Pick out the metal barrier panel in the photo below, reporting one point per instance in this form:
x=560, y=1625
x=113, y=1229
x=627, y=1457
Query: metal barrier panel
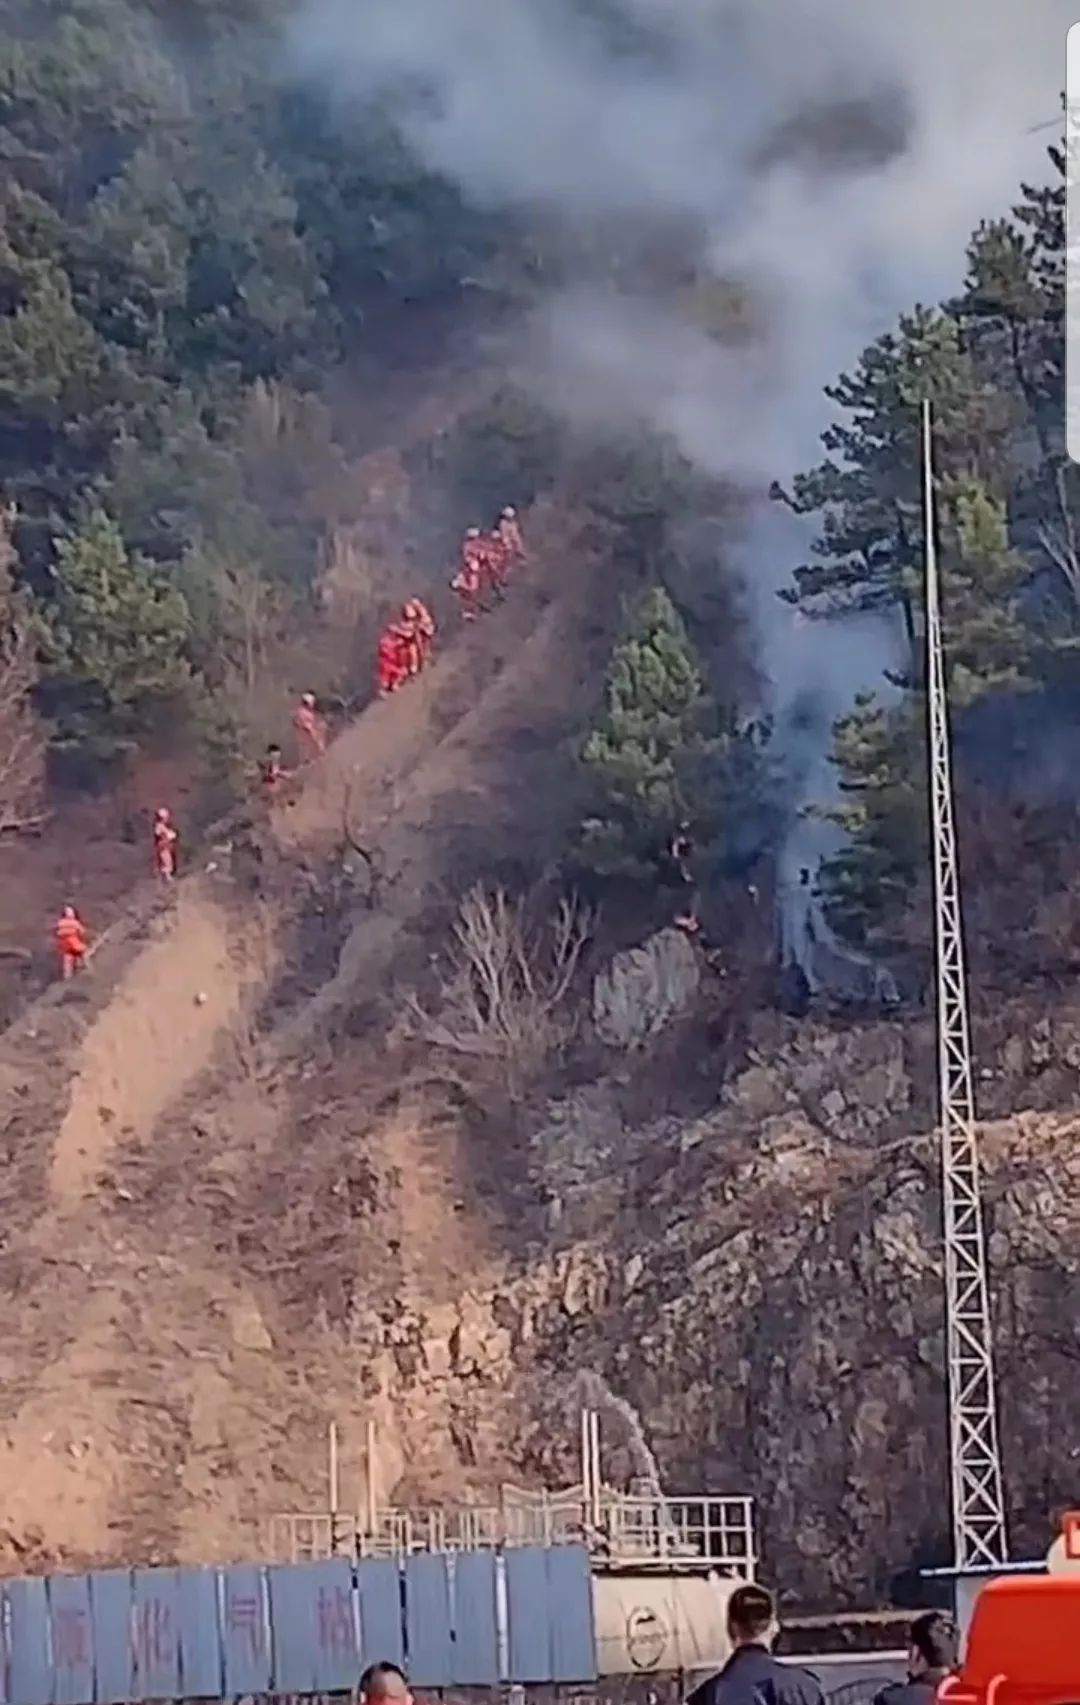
x=29, y=1664
x=527, y=1615
x=381, y=1633
x=335, y=1629
x=115, y=1638
x=245, y=1632
x=313, y=1614
x=428, y=1636
x=110, y=1617
x=200, y=1636
x=155, y=1633
x=475, y=1656
x=292, y=1607
x=570, y=1610
x=72, y=1639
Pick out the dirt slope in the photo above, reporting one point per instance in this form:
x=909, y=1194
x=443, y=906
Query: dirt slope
x=161, y=1399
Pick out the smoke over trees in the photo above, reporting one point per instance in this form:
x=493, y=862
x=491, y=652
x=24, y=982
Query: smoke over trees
x=992, y=363
x=667, y=227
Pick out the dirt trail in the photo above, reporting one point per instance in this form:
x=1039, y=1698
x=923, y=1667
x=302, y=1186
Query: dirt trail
x=155, y=1036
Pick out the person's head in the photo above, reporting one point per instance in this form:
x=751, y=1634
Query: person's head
x=751, y=1616
x=509, y=513
x=472, y=533
x=162, y=814
x=69, y=911
x=273, y=752
x=384, y=1682
x=933, y=1643
x=309, y=700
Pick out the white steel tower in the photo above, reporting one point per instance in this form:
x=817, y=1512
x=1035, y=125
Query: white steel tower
x=978, y=1511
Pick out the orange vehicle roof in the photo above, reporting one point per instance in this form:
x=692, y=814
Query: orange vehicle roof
x=1027, y=1629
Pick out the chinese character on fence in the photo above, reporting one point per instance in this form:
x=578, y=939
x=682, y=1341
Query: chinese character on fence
x=336, y=1633
x=243, y=1619
x=151, y=1634
x=71, y=1638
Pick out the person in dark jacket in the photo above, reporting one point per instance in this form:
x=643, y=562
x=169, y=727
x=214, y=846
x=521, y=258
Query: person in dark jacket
x=933, y=1650
x=752, y=1676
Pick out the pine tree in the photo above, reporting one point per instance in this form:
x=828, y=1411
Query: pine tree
x=1013, y=312
x=867, y=888
x=878, y=750
x=988, y=646
x=22, y=745
x=655, y=719
x=868, y=491
x=116, y=639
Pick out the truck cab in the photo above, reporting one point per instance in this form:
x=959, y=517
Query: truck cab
x=1023, y=1646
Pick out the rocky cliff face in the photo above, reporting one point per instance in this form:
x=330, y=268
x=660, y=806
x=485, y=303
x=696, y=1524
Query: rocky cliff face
x=763, y=1285
x=336, y=1234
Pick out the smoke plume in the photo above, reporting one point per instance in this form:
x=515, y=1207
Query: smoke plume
x=832, y=155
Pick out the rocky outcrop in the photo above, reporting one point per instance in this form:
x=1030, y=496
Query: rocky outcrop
x=764, y=1287
x=645, y=989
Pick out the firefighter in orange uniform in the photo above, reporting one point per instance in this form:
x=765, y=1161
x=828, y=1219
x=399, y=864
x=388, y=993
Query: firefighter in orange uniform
x=508, y=533
x=69, y=935
x=470, y=576
x=310, y=728
x=390, y=666
x=165, y=839
x=272, y=773
x=496, y=566
x=422, y=622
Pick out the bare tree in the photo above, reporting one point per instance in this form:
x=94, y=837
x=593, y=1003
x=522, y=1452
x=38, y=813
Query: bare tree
x=1059, y=541
x=505, y=987
x=22, y=743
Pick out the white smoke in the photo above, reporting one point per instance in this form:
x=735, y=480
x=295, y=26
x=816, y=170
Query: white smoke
x=541, y=104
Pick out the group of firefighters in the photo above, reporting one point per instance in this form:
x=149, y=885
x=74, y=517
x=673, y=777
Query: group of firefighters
x=70, y=934
x=484, y=568
x=405, y=647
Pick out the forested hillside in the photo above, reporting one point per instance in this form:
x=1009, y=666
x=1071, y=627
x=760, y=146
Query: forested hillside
x=407, y=1101
x=190, y=253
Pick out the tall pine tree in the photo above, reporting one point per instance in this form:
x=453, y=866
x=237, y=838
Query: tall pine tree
x=867, y=492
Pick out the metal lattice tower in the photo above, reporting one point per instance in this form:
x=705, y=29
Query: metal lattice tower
x=978, y=1510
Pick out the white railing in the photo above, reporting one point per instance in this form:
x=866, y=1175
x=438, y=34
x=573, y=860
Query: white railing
x=620, y=1530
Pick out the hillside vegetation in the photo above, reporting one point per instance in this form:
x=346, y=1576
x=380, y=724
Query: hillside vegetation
x=409, y=1103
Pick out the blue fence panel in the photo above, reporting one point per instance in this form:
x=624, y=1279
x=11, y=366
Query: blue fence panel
x=335, y=1631
x=113, y=1638
x=476, y=1630
x=313, y=1614
x=245, y=1632
x=428, y=1638
x=110, y=1613
x=527, y=1614
x=201, y=1674
x=292, y=1611
x=570, y=1609
x=381, y=1632
x=29, y=1665
x=72, y=1639
x=155, y=1633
